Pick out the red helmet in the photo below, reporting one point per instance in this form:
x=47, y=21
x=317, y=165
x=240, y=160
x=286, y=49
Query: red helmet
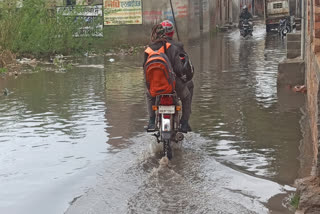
x=168, y=28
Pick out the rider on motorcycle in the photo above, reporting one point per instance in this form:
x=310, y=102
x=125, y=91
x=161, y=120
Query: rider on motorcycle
x=182, y=67
x=245, y=14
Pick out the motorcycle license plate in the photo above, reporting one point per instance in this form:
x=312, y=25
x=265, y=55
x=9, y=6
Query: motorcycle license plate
x=166, y=109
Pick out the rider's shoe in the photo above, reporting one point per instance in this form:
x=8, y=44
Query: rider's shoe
x=184, y=127
x=151, y=126
x=189, y=128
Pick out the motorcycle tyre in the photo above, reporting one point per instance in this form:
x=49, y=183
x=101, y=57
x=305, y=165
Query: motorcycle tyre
x=285, y=31
x=167, y=150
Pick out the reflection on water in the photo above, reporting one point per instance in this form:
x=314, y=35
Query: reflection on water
x=54, y=129
x=126, y=111
x=52, y=134
x=236, y=105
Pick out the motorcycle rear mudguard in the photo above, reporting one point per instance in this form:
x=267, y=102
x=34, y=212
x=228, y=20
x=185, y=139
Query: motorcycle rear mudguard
x=166, y=135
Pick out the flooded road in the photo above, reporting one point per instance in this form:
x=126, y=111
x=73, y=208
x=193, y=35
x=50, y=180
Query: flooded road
x=74, y=141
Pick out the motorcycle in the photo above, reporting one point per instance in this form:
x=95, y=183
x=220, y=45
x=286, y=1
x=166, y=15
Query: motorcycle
x=168, y=114
x=246, y=27
x=284, y=26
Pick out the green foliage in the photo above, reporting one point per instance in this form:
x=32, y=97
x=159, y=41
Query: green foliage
x=294, y=202
x=3, y=70
x=35, y=28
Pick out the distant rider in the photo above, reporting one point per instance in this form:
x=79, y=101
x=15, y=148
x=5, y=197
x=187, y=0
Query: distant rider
x=245, y=14
x=182, y=67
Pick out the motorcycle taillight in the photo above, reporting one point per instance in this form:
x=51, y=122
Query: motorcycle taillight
x=166, y=100
x=166, y=116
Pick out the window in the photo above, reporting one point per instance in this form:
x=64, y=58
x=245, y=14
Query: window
x=277, y=6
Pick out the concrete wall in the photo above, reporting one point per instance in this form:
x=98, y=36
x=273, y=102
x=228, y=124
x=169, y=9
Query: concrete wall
x=235, y=10
x=153, y=12
x=206, y=17
x=193, y=19
x=292, y=5
x=259, y=8
x=293, y=45
x=248, y=3
x=224, y=11
x=189, y=26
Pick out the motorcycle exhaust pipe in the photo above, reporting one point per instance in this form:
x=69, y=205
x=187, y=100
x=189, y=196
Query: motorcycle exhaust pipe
x=179, y=137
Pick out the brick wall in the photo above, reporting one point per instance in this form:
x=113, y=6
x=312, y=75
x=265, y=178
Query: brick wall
x=312, y=58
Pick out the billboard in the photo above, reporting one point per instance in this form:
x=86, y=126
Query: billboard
x=122, y=12
x=90, y=15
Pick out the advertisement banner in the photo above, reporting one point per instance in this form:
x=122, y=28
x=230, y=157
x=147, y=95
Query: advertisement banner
x=122, y=12
x=89, y=15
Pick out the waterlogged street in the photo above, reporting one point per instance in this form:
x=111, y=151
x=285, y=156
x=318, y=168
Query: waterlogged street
x=73, y=142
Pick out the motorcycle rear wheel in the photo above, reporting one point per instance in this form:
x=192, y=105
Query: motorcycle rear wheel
x=167, y=151
x=285, y=31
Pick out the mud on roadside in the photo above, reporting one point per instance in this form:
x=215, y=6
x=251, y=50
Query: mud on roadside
x=11, y=65
x=309, y=192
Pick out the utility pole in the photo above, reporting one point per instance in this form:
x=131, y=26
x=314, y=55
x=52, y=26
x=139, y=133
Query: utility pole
x=264, y=9
x=297, y=9
x=252, y=7
x=201, y=15
x=174, y=19
x=303, y=29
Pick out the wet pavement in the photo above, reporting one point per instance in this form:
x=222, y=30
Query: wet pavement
x=74, y=141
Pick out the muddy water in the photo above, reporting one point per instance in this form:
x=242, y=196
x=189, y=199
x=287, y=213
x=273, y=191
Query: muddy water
x=253, y=126
x=76, y=137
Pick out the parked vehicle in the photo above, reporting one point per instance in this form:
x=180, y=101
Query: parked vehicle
x=246, y=27
x=168, y=114
x=285, y=26
x=275, y=11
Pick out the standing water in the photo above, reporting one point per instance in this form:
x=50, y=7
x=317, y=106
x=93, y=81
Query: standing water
x=74, y=141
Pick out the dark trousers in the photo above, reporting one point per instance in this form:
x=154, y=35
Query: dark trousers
x=184, y=92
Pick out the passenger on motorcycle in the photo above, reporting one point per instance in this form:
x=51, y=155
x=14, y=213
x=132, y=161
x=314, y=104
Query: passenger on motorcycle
x=182, y=67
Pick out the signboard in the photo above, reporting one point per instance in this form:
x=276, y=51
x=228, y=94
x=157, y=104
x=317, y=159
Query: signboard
x=89, y=14
x=89, y=2
x=122, y=12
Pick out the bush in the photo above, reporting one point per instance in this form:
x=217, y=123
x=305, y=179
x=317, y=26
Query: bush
x=294, y=202
x=37, y=29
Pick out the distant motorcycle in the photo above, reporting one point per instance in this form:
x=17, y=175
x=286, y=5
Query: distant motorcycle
x=246, y=27
x=168, y=113
x=284, y=26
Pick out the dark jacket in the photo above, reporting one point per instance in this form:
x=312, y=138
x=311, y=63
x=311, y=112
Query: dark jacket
x=245, y=15
x=182, y=69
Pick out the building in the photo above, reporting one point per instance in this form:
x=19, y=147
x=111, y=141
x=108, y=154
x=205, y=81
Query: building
x=192, y=17
x=308, y=188
x=256, y=7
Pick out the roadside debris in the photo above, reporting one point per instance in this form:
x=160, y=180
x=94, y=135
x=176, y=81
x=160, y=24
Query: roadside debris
x=29, y=62
x=125, y=51
x=300, y=88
